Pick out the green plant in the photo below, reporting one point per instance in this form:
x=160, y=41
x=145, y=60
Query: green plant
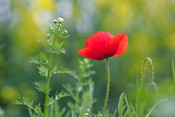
x=54, y=40
x=82, y=92
x=127, y=109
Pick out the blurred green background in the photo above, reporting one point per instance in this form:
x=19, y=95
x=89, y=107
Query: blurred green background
x=149, y=24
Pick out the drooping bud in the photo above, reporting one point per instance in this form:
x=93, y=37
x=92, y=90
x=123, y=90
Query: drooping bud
x=60, y=20
x=152, y=87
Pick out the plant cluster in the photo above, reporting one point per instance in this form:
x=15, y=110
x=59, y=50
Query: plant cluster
x=101, y=45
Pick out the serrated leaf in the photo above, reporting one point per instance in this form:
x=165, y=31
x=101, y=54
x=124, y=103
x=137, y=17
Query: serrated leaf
x=39, y=59
x=43, y=70
x=62, y=70
x=29, y=103
x=57, y=48
x=57, y=97
x=42, y=87
x=54, y=70
x=70, y=90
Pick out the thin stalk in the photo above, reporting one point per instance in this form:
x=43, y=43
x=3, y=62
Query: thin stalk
x=51, y=110
x=30, y=112
x=56, y=108
x=48, y=79
x=108, y=84
x=77, y=102
x=173, y=72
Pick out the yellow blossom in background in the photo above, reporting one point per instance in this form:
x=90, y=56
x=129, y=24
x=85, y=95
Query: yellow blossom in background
x=33, y=24
x=48, y=4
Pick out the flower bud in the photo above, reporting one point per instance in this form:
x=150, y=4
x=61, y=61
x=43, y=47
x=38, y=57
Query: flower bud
x=65, y=31
x=60, y=20
x=86, y=60
x=54, y=21
x=79, y=89
x=152, y=87
x=86, y=115
x=47, y=35
x=51, y=29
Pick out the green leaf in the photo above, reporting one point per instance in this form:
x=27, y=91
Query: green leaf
x=121, y=106
x=29, y=103
x=62, y=70
x=39, y=59
x=43, y=70
x=42, y=87
x=57, y=48
x=70, y=90
x=115, y=113
x=162, y=100
x=133, y=110
x=48, y=39
x=57, y=97
x=128, y=111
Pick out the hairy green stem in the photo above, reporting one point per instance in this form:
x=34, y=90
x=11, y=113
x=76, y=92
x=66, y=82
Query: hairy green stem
x=143, y=71
x=140, y=87
x=108, y=84
x=48, y=79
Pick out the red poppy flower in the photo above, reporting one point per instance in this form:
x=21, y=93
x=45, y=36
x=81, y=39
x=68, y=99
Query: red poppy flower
x=102, y=45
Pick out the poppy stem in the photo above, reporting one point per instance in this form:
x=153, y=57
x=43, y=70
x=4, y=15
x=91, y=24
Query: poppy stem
x=108, y=84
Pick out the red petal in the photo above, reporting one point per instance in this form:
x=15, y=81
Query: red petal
x=98, y=40
x=117, y=45
x=91, y=53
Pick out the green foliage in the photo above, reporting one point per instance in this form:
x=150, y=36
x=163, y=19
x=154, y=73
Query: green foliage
x=83, y=71
x=62, y=70
x=29, y=103
x=40, y=59
x=55, y=32
x=42, y=87
x=106, y=114
x=128, y=110
x=57, y=97
x=57, y=48
x=141, y=93
x=124, y=108
x=43, y=70
x=82, y=93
